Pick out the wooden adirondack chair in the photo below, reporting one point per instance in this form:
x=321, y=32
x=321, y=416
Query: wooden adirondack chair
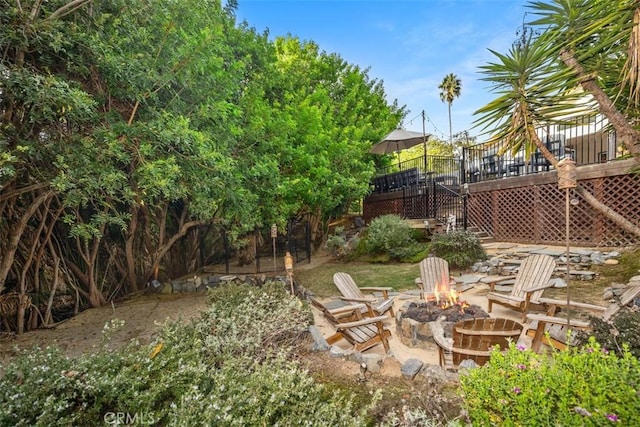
x=433, y=271
x=354, y=295
x=530, y=282
x=557, y=327
x=474, y=339
x=361, y=333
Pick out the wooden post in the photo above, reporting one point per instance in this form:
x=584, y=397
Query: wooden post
x=274, y=235
x=288, y=266
x=567, y=180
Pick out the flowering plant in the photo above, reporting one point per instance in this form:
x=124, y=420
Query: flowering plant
x=586, y=386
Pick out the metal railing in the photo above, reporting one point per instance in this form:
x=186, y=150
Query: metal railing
x=419, y=171
x=586, y=139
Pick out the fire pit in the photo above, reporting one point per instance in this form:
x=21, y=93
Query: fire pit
x=413, y=323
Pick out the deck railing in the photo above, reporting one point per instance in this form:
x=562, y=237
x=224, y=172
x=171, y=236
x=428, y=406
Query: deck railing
x=588, y=140
x=444, y=170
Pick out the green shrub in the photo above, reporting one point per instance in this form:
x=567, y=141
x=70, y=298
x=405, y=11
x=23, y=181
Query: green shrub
x=232, y=366
x=337, y=243
x=460, y=248
x=623, y=329
x=390, y=234
x=585, y=386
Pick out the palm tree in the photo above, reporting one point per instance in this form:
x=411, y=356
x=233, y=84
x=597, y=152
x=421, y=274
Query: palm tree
x=597, y=42
x=529, y=94
x=450, y=90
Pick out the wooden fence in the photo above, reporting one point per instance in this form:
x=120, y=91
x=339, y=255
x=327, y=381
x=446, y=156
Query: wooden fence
x=531, y=209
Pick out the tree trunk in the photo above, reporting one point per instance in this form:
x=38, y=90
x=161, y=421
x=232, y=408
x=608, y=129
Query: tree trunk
x=624, y=131
x=10, y=249
x=450, y=127
x=131, y=236
x=605, y=210
x=162, y=250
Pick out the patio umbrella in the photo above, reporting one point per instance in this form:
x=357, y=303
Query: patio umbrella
x=398, y=140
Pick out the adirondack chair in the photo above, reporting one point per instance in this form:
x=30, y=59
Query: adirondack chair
x=530, y=282
x=353, y=294
x=361, y=333
x=557, y=327
x=474, y=339
x=433, y=271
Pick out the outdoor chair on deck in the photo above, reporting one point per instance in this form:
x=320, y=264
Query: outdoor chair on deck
x=552, y=330
x=354, y=295
x=434, y=271
x=362, y=333
x=530, y=282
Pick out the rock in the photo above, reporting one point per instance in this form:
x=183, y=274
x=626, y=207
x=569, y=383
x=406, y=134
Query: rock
x=336, y=351
x=611, y=261
x=319, y=343
x=597, y=258
x=558, y=283
x=467, y=364
x=435, y=375
x=176, y=286
x=373, y=361
x=411, y=368
x=166, y=288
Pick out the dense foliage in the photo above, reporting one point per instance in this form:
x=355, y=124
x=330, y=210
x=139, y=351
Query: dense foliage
x=233, y=367
x=460, y=248
x=620, y=331
x=586, y=386
x=136, y=135
x=390, y=235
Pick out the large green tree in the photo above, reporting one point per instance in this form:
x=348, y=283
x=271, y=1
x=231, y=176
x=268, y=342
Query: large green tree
x=132, y=130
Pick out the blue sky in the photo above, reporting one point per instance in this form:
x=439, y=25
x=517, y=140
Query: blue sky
x=409, y=45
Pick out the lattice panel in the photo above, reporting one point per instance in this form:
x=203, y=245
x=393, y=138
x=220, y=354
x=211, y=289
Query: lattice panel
x=414, y=203
x=480, y=212
x=536, y=214
x=622, y=194
x=514, y=217
x=373, y=209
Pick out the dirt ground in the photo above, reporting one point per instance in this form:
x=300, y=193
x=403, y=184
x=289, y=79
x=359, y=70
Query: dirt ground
x=142, y=315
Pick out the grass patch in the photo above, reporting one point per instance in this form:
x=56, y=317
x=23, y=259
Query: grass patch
x=591, y=291
x=399, y=276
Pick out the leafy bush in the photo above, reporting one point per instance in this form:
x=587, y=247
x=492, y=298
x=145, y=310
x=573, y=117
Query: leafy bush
x=390, y=234
x=460, y=248
x=623, y=329
x=233, y=366
x=585, y=386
